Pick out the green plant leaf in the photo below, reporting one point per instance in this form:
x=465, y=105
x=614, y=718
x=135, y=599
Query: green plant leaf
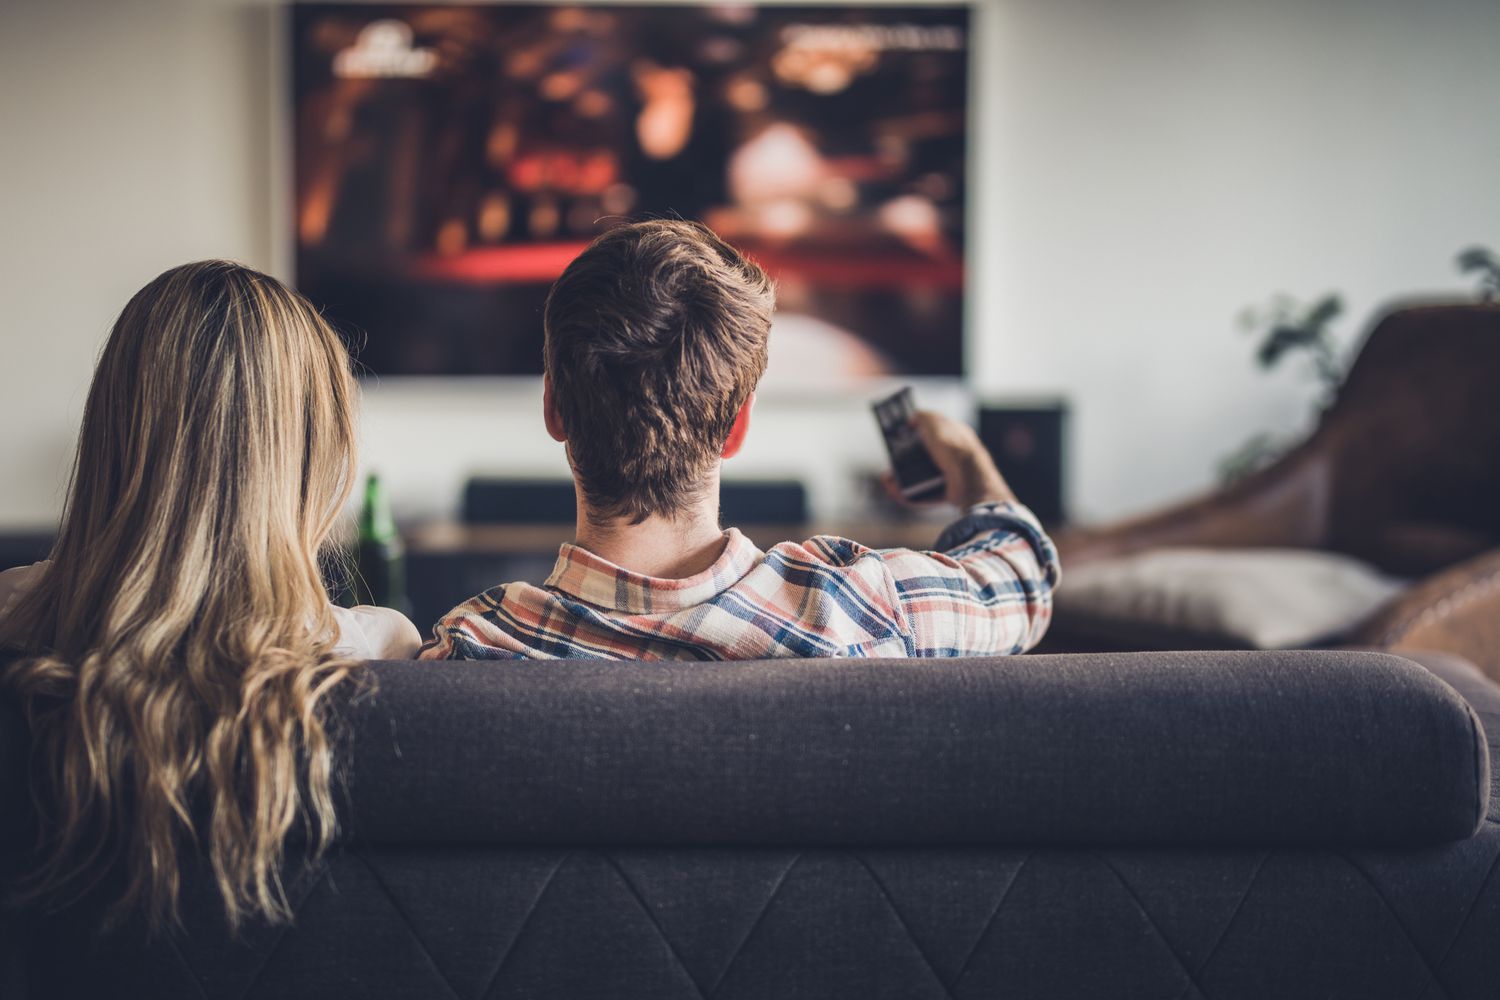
x=1477, y=259
x=1325, y=310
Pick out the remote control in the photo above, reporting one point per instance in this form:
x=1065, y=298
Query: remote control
x=916, y=473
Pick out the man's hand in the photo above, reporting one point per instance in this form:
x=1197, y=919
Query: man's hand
x=966, y=466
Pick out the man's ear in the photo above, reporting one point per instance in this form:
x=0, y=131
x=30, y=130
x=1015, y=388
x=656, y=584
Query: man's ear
x=549, y=412
x=736, y=439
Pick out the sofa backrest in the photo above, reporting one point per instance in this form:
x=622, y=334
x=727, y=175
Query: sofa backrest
x=1147, y=749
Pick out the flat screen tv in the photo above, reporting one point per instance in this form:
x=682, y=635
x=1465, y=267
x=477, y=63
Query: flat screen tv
x=450, y=159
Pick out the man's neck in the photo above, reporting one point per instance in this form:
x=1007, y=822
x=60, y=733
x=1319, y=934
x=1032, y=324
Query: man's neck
x=666, y=548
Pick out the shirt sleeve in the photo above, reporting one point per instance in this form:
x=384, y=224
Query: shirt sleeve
x=441, y=645
x=987, y=590
x=465, y=633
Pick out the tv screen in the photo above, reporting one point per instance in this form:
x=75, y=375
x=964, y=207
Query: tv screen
x=451, y=159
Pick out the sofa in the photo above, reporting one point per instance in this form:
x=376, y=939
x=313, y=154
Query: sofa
x=1163, y=825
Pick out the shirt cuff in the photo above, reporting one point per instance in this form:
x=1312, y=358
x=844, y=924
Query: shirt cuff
x=1002, y=515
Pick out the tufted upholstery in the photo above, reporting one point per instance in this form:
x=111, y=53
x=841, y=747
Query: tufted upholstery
x=476, y=920
x=859, y=924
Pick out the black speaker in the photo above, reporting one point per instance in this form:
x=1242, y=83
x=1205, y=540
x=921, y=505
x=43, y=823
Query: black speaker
x=519, y=501
x=763, y=502
x=1027, y=442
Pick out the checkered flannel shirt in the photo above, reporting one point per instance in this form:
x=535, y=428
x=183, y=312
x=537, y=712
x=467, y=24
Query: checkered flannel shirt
x=987, y=590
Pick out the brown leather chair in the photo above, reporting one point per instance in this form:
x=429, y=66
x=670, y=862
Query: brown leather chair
x=1402, y=472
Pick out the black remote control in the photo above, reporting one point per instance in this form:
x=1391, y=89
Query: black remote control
x=916, y=473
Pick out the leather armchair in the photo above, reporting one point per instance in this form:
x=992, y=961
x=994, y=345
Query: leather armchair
x=1403, y=472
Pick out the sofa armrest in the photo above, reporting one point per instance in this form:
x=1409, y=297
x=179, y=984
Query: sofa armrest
x=1483, y=696
x=1284, y=505
x=1455, y=611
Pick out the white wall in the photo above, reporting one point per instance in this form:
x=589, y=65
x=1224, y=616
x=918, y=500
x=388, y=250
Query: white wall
x=1144, y=169
x=132, y=138
x=1158, y=164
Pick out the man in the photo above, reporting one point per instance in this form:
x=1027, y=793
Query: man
x=655, y=340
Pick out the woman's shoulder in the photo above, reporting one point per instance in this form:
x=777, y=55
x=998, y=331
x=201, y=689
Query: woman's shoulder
x=16, y=581
x=371, y=633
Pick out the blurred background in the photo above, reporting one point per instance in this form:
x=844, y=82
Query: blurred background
x=1044, y=205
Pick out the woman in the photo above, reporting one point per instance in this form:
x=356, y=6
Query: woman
x=175, y=655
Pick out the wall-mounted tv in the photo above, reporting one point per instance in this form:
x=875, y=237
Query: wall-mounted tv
x=450, y=159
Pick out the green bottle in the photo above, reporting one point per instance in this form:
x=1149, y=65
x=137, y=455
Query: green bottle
x=380, y=564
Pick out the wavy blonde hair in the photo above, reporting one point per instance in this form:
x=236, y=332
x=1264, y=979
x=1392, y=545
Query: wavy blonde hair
x=177, y=654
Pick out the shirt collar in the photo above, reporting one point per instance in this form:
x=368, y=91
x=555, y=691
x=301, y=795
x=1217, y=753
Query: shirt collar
x=590, y=578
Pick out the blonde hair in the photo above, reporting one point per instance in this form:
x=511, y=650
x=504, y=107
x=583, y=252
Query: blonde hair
x=177, y=653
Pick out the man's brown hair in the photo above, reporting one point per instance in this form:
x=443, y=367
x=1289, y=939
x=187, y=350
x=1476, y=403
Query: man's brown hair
x=655, y=338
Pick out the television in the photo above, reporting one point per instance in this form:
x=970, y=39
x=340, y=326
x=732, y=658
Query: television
x=451, y=159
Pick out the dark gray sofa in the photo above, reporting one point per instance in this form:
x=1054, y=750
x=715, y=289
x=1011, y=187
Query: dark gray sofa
x=1199, y=825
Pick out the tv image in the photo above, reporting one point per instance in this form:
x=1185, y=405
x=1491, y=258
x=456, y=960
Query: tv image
x=451, y=159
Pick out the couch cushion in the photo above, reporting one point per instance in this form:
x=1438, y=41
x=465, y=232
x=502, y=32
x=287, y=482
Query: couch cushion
x=1222, y=598
x=1324, y=747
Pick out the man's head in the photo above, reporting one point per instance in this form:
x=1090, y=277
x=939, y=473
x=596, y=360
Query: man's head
x=656, y=338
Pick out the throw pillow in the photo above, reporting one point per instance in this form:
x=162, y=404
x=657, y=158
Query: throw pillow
x=1225, y=598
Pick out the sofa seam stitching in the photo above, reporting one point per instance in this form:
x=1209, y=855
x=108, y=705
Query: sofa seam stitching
x=759, y=919
x=905, y=927
x=265, y=964
x=1432, y=972
x=1468, y=915
x=494, y=975
x=655, y=924
x=1481, y=748
x=187, y=966
x=1234, y=915
x=1192, y=980
x=983, y=931
x=407, y=921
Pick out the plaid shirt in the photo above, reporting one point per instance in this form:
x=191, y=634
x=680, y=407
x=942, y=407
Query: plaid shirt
x=988, y=591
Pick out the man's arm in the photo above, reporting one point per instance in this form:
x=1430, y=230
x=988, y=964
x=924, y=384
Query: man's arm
x=989, y=590
x=452, y=636
x=473, y=631
x=440, y=646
